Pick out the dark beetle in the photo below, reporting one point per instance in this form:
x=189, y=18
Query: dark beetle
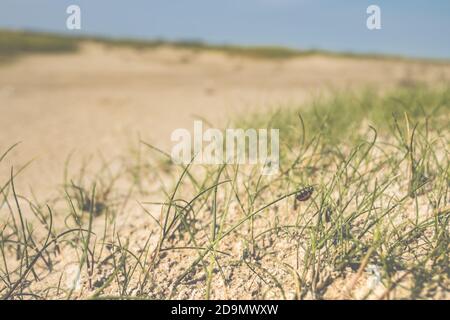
x=304, y=194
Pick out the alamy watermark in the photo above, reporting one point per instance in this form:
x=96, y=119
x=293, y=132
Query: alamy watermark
x=232, y=146
x=73, y=277
x=73, y=21
x=374, y=20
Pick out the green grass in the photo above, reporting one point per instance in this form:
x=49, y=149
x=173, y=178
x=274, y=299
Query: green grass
x=14, y=44
x=347, y=113
x=380, y=168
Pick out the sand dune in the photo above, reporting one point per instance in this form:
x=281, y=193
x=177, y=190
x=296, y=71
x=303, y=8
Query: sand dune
x=101, y=98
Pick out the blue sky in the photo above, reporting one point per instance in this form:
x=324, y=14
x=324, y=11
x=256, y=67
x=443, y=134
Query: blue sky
x=409, y=27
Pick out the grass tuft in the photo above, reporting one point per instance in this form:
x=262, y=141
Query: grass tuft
x=360, y=209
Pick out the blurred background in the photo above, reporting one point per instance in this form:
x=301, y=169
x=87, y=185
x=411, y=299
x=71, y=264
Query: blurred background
x=413, y=28
x=141, y=69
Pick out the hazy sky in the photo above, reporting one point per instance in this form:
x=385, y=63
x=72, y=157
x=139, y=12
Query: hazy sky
x=409, y=27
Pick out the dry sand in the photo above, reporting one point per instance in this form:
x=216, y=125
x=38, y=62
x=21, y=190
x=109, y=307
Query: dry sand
x=101, y=98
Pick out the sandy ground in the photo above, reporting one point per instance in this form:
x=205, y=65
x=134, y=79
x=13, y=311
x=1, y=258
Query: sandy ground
x=103, y=98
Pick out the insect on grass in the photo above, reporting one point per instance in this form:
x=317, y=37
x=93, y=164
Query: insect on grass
x=303, y=195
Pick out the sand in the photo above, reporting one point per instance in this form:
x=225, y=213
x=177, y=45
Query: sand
x=102, y=98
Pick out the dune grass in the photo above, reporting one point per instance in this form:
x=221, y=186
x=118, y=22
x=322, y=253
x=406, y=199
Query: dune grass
x=376, y=225
x=14, y=44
